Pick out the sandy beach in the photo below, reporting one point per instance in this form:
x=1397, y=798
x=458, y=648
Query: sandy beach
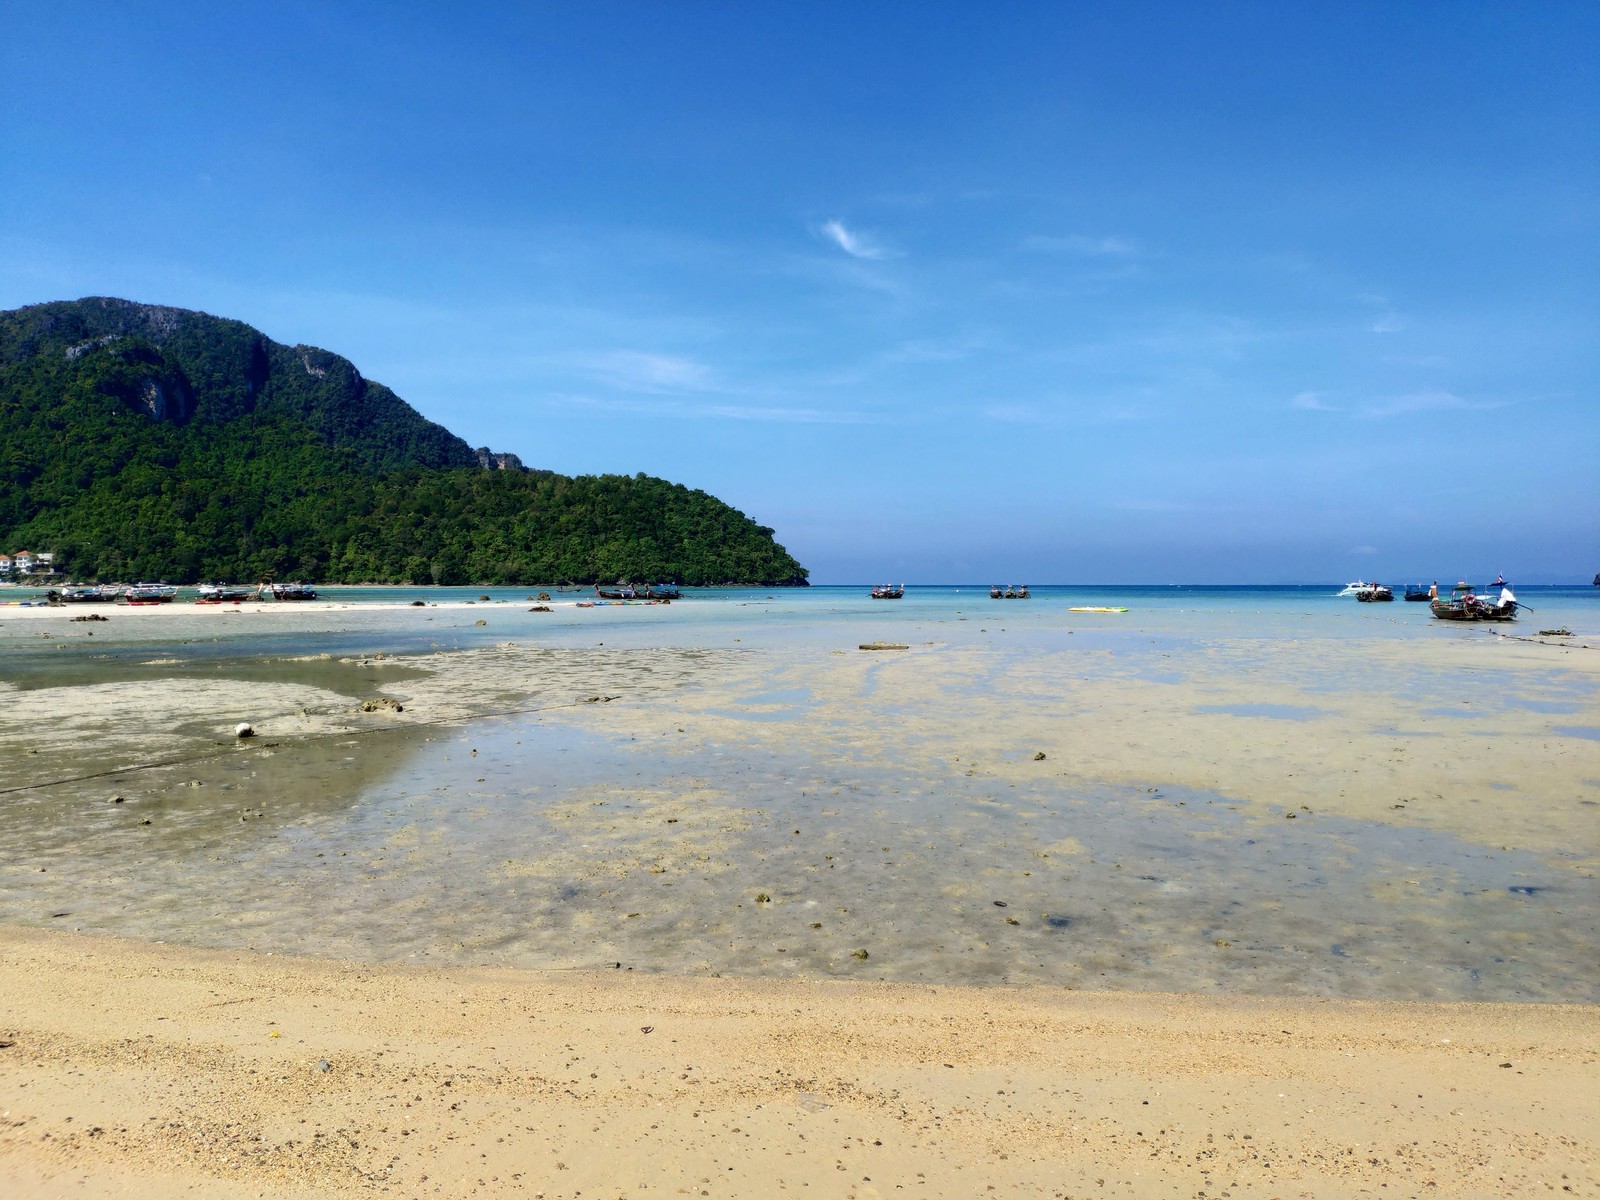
x=135, y=1070
x=791, y=1044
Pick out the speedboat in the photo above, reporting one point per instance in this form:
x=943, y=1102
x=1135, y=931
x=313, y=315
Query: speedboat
x=1356, y=588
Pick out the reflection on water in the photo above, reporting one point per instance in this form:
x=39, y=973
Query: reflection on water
x=539, y=843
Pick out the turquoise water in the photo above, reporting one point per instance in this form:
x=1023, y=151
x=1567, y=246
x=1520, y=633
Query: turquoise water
x=714, y=616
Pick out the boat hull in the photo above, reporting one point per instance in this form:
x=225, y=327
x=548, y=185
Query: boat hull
x=1454, y=610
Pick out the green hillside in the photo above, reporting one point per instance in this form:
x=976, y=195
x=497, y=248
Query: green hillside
x=149, y=442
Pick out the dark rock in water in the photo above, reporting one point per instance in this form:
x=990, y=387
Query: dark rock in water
x=1562, y=632
x=1038, y=756
x=382, y=704
x=541, y=608
x=884, y=646
x=419, y=604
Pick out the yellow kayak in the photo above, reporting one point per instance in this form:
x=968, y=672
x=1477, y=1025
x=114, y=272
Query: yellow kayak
x=1097, y=608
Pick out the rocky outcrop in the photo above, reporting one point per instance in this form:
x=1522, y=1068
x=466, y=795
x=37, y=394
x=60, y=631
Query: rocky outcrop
x=491, y=461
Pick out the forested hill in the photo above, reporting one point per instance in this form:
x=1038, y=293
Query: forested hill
x=145, y=442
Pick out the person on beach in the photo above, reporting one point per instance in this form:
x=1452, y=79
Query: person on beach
x=1433, y=592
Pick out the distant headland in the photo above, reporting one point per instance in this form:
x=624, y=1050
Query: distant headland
x=151, y=442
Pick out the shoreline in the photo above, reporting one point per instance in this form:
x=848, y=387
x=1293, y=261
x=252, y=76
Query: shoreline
x=148, y=1070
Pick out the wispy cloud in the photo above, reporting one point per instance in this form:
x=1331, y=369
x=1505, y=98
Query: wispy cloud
x=1436, y=400
x=1081, y=413
x=1078, y=243
x=717, y=410
x=854, y=242
x=1017, y=414
x=925, y=351
x=1310, y=402
x=1387, y=320
x=1155, y=506
x=1364, y=551
x=634, y=370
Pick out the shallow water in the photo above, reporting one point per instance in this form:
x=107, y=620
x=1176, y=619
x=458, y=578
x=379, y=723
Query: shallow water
x=739, y=847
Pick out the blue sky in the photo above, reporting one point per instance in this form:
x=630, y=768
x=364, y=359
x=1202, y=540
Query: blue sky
x=943, y=292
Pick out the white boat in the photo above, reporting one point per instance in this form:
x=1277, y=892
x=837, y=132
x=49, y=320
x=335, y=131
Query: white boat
x=149, y=593
x=1357, y=588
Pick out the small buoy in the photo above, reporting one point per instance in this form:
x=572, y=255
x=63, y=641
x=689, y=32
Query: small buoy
x=244, y=729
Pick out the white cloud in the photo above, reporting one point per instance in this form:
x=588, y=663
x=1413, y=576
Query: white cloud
x=1436, y=400
x=1311, y=402
x=1155, y=506
x=634, y=370
x=1022, y=414
x=1364, y=551
x=1387, y=320
x=854, y=243
x=1077, y=243
x=700, y=411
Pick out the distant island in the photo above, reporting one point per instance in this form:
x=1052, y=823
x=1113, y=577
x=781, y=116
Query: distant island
x=143, y=442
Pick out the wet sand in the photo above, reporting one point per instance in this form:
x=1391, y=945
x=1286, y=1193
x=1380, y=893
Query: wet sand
x=755, y=1086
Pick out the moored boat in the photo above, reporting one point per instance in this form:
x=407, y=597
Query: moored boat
x=1374, y=594
x=888, y=591
x=1465, y=604
x=1010, y=592
x=149, y=593
x=286, y=591
x=90, y=594
x=1415, y=591
x=222, y=593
